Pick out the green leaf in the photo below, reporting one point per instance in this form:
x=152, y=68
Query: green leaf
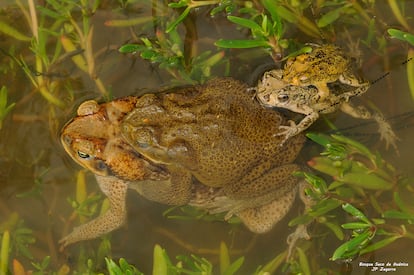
x=4, y=109
x=355, y=225
x=271, y=7
x=404, y=36
x=352, y=245
x=395, y=214
x=365, y=180
x=180, y=18
x=379, y=244
x=224, y=257
x=12, y=32
x=149, y=55
x=317, y=183
x=351, y=172
x=324, y=206
x=305, y=49
x=48, y=12
x=303, y=261
x=329, y=17
x=410, y=71
x=213, y=60
x=355, y=213
x=3, y=97
x=4, y=252
x=180, y=4
x=160, y=265
x=320, y=139
x=400, y=203
x=234, y=267
x=250, y=24
x=362, y=149
x=341, y=190
x=335, y=151
x=112, y=267
x=336, y=229
x=131, y=48
x=304, y=219
x=371, y=31
x=325, y=165
x=241, y=44
x=128, y=22
x=273, y=265
x=286, y=14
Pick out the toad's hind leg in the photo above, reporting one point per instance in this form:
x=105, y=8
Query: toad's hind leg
x=351, y=80
x=262, y=219
x=174, y=191
x=254, y=190
x=115, y=189
x=384, y=128
x=258, y=212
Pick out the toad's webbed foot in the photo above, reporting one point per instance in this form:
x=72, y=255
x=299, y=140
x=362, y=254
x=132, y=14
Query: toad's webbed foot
x=289, y=131
x=384, y=128
x=386, y=132
x=113, y=218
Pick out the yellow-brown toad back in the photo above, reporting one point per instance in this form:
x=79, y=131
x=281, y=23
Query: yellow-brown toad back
x=325, y=64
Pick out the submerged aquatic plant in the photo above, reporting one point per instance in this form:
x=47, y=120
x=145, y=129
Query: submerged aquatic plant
x=360, y=199
x=266, y=31
x=163, y=265
x=4, y=108
x=409, y=38
x=361, y=180
x=167, y=50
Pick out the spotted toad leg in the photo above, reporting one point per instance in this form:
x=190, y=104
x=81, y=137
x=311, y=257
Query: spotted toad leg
x=350, y=79
x=262, y=219
x=384, y=128
x=174, y=191
x=361, y=88
x=253, y=190
x=115, y=189
x=260, y=203
x=292, y=130
x=358, y=112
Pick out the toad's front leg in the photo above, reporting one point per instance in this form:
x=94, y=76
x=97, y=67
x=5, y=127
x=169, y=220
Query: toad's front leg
x=293, y=129
x=115, y=189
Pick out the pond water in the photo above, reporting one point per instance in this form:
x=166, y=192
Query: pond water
x=37, y=177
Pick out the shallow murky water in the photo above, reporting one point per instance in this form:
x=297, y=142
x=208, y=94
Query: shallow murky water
x=37, y=176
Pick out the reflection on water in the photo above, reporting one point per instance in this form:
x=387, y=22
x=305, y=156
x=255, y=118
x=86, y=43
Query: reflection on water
x=37, y=177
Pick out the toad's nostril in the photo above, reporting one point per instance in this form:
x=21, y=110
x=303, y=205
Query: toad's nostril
x=66, y=139
x=143, y=144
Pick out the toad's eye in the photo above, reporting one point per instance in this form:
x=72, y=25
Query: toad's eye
x=83, y=155
x=283, y=97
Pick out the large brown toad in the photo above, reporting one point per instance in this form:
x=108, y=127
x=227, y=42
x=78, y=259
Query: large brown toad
x=165, y=145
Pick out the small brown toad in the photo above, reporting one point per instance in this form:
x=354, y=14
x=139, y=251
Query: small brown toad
x=324, y=64
x=306, y=101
